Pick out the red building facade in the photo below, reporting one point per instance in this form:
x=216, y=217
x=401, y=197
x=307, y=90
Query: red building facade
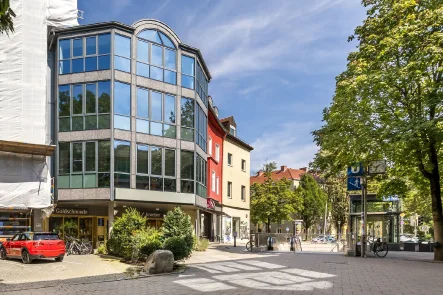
x=216, y=136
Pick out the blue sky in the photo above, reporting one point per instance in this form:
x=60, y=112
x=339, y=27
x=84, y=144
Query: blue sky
x=273, y=63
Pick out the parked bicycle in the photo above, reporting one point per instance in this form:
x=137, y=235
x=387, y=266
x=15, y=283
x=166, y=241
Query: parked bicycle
x=378, y=247
x=249, y=245
x=77, y=246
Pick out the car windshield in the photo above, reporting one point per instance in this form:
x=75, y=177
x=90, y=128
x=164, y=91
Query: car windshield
x=46, y=236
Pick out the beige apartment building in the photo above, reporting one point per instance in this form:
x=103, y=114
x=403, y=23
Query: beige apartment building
x=236, y=173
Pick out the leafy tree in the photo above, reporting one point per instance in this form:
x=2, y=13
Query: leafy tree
x=336, y=190
x=269, y=167
x=178, y=224
x=314, y=200
x=6, y=15
x=388, y=102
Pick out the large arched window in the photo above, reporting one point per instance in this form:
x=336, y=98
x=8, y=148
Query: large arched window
x=156, y=56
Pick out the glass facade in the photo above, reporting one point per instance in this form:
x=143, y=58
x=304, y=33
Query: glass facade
x=187, y=119
x=122, y=106
x=201, y=175
x=122, y=53
x=188, y=71
x=201, y=128
x=122, y=163
x=202, y=85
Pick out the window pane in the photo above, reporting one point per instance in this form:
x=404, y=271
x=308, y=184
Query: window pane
x=65, y=67
x=156, y=129
x=64, y=100
x=142, y=182
x=104, y=62
x=104, y=156
x=77, y=99
x=142, y=103
x=150, y=35
x=156, y=161
x=64, y=49
x=122, y=46
x=169, y=185
x=169, y=162
x=64, y=124
x=156, y=73
x=170, y=77
x=121, y=122
x=156, y=106
x=91, y=98
x=63, y=181
x=77, y=123
x=91, y=64
x=156, y=184
x=143, y=51
x=104, y=180
x=77, y=181
x=187, y=186
x=166, y=40
x=77, y=47
x=104, y=44
x=187, y=112
x=91, y=122
x=187, y=81
x=122, y=99
x=187, y=134
x=142, y=159
x=122, y=156
x=143, y=69
x=169, y=131
x=170, y=59
x=90, y=180
x=157, y=55
x=104, y=97
x=187, y=164
x=90, y=156
x=91, y=47
x=169, y=109
x=77, y=65
x=104, y=122
x=188, y=65
x=77, y=157
x=122, y=64
x=122, y=180
x=63, y=158
x=142, y=126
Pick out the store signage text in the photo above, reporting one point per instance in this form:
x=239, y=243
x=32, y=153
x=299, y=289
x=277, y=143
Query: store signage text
x=71, y=211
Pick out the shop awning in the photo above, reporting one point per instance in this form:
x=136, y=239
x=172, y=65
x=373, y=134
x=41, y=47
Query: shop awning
x=26, y=148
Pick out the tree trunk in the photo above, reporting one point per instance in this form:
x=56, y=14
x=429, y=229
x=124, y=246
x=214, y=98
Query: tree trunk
x=268, y=224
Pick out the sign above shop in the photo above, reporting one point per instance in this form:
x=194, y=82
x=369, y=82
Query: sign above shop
x=71, y=211
x=154, y=215
x=210, y=203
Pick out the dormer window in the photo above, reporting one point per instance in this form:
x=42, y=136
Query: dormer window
x=232, y=130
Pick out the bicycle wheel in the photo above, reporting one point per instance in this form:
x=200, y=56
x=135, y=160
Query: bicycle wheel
x=248, y=246
x=382, y=250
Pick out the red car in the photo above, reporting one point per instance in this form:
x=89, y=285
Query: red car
x=33, y=245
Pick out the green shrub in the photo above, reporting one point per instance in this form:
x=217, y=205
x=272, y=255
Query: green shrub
x=102, y=249
x=145, y=242
x=179, y=247
x=200, y=244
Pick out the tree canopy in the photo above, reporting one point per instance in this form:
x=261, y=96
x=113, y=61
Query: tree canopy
x=6, y=15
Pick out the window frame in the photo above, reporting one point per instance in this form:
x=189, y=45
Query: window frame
x=243, y=165
x=243, y=193
x=114, y=113
x=213, y=178
x=121, y=56
x=188, y=128
x=230, y=160
x=209, y=146
x=217, y=152
x=229, y=190
x=187, y=75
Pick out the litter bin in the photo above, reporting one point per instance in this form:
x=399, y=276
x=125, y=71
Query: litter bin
x=358, y=250
x=271, y=242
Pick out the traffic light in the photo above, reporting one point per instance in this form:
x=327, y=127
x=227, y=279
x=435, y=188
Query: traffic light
x=420, y=220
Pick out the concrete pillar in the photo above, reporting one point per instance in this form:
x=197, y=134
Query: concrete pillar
x=110, y=217
x=37, y=220
x=197, y=224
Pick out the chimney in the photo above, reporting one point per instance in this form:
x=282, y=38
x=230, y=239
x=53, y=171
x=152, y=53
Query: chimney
x=283, y=168
x=304, y=169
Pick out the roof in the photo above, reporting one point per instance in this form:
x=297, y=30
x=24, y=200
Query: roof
x=214, y=115
x=239, y=142
x=229, y=120
x=288, y=173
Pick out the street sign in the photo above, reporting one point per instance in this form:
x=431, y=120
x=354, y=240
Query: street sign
x=356, y=170
x=354, y=184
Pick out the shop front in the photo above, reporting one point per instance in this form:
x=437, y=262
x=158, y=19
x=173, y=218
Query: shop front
x=13, y=222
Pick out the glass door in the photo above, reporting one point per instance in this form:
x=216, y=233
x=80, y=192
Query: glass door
x=85, y=228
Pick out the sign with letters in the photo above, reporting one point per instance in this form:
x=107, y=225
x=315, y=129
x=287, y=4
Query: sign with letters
x=71, y=211
x=356, y=170
x=354, y=184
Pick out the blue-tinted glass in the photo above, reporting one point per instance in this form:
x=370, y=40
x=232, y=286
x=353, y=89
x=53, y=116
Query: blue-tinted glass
x=150, y=35
x=122, y=46
x=122, y=99
x=169, y=131
x=157, y=55
x=104, y=97
x=170, y=77
x=122, y=64
x=91, y=45
x=156, y=73
x=170, y=59
x=65, y=66
x=169, y=109
x=143, y=51
x=142, y=69
x=104, y=44
x=142, y=126
x=77, y=47
x=91, y=64
x=188, y=65
x=156, y=106
x=142, y=103
x=188, y=82
x=64, y=49
x=121, y=122
x=104, y=62
x=77, y=65
x=156, y=129
x=77, y=99
x=166, y=40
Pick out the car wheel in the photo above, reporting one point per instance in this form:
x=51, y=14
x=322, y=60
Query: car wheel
x=26, y=258
x=59, y=259
x=3, y=255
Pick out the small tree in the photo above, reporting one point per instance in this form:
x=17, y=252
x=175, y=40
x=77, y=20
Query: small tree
x=177, y=225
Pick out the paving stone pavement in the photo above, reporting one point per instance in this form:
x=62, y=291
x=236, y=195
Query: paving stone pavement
x=228, y=271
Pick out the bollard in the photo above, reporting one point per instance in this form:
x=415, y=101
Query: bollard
x=235, y=239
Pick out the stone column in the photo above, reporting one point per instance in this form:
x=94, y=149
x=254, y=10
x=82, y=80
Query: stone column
x=37, y=220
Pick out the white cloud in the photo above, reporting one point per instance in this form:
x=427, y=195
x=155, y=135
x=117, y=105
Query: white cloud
x=251, y=89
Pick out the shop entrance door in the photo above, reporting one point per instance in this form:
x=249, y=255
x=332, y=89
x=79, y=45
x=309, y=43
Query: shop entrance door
x=85, y=228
